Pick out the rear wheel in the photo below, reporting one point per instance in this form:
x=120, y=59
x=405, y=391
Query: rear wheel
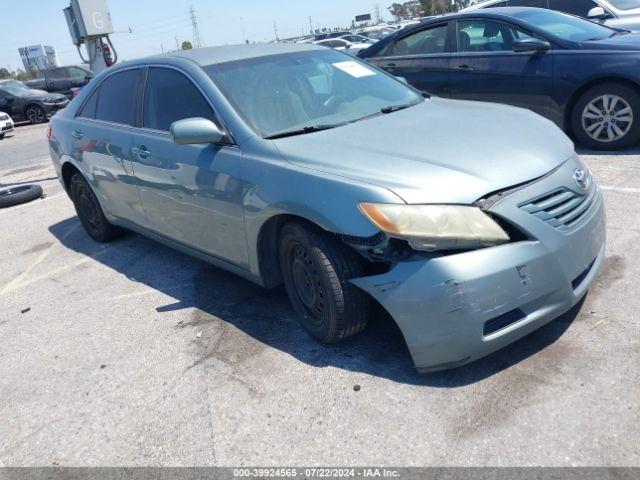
x=316, y=268
x=607, y=117
x=89, y=211
x=36, y=114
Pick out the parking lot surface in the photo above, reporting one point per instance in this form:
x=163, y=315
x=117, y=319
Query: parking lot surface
x=133, y=354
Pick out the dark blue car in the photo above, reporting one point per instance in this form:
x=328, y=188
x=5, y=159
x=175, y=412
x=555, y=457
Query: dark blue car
x=583, y=76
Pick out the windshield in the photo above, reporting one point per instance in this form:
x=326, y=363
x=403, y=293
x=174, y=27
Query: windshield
x=14, y=87
x=565, y=26
x=625, y=4
x=286, y=92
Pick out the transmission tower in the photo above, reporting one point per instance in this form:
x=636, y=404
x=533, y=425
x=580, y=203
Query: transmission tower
x=197, y=40
x=376, y=10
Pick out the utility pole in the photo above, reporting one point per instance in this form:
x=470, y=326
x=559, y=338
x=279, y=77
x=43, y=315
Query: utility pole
x=177, y=43
x=275, y=30
x=376, y=10
x=197, y=41
x=162, y=48
x=310, y=26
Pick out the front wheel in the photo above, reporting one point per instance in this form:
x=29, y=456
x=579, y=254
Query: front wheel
x=36, y=114
x=316, y=268
x=607, y=117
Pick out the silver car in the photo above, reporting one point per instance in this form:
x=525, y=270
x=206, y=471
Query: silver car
x=622, y=14
x=472, y=224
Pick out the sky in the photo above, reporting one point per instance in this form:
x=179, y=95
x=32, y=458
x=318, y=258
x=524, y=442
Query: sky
x=155, y=24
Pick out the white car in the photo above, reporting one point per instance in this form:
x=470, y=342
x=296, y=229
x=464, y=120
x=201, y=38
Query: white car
x=622, y=14
x=342, y=44
x=6, y=124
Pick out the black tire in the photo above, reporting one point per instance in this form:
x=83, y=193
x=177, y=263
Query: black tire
x=19, y=194
x=631, y=129
x=35, y=114
x=2, y=135
x=89, y=211
x=316, y=267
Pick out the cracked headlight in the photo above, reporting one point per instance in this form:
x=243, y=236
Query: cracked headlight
x=436, y=227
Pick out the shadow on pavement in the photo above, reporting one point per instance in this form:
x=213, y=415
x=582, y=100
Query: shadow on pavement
x=266, y=317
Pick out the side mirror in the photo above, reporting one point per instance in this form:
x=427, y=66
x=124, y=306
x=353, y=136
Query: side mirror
x=403, y=80
x=597, y=13
x=88, y=78
x=530, y=45
x=195, y=131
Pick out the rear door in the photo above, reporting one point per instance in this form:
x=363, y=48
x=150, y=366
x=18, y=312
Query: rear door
x=191, y=193
x=486, y=68
x=422, y=57
x=103, y=137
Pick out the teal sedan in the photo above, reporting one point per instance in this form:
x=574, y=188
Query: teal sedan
x=472, y=224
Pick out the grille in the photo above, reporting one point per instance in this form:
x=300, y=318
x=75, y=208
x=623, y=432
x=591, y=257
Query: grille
x=563, y=209
x=503, y=321
x=8, y=127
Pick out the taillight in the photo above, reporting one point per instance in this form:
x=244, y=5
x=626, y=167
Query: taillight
x=49, y=133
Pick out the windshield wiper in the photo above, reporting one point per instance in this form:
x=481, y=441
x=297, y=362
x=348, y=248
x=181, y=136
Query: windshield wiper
x=303, y=130
x=395, y=108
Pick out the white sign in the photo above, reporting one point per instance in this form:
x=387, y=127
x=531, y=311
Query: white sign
x=354, y=69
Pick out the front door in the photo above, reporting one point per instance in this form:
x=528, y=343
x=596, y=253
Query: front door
x=486, y=68
x=421, y=58
x=191, y=193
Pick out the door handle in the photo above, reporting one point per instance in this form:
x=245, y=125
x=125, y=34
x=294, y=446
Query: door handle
x=77, y=134
x=140, y=151
x=465, y=67
x=390, y=65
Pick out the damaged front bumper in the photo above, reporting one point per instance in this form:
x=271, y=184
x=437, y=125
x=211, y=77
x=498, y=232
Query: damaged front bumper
x=457, y=308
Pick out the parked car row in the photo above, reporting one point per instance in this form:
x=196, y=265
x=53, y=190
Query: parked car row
x=581, y=75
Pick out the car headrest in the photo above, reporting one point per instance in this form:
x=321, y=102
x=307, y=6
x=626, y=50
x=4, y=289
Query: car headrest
x=491, y=30
x=465, y=41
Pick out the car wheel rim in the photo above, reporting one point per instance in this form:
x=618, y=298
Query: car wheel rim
x=307, y=284
x=607, y=118
x=87, y=207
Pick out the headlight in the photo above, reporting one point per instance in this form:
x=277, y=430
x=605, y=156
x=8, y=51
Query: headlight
x=436, y=227
x=48, y=100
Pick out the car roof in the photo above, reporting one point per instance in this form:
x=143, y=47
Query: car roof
x=229, y=53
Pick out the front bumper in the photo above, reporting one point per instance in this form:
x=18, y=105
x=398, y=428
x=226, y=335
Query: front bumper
x=457, y=308
x=52, y=108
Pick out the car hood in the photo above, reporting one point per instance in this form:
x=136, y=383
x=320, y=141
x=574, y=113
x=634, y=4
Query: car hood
x=35, y=94
x=628, y=41
x=438, y=151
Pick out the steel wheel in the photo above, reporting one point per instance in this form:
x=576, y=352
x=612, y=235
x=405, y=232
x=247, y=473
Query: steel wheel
x=36, y=114
x=607, y=118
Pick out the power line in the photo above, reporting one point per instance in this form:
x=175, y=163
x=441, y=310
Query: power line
x=197, y=40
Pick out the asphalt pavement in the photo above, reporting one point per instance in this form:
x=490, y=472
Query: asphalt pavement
x=133, y=354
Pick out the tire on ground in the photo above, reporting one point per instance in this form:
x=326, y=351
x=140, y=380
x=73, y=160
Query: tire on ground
x=89, y=211
x=317, y=264
x=580, y=124
x=19, y=194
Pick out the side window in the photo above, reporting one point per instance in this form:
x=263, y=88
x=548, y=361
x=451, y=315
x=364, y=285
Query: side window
x=574, y=7
x=58, y=73
x=77, y=73
x=89, y=108
x=527, y=3
x=486, y=36
x=118, y=99
x=428, y=41
x=170, y=96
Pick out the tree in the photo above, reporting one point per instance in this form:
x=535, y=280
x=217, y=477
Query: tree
x=4, y=73
x=398, y=11
x=437, y=7
x=186, y=45
x=20, y=75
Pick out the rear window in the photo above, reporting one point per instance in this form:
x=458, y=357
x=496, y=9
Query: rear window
x=89, y=108
x=118, y=98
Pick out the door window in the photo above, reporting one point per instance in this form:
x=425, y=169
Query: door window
x=423, y=42
x=169, y=97
x=118, y=98
x=528, y=3
x=77, y=73
x=486, y=36
x=574, y=7
x=89, y=108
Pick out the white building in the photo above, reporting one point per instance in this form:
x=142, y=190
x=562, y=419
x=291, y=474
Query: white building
x=40, y=57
